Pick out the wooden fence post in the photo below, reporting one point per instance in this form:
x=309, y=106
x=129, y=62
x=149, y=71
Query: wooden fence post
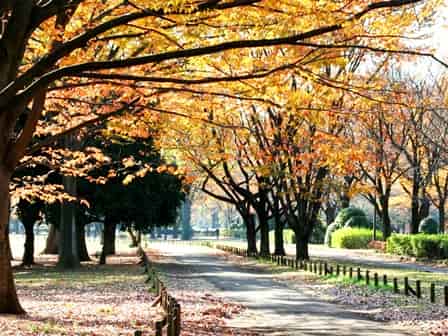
x=396, y=285
x=445, y=294
x=432, y=293
x=375, y=279
x=418, y=289
x=358, y=274
x=406, y=286
x=384, y=279
x=367, y=277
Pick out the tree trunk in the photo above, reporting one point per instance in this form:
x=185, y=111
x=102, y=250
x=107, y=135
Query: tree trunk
x=52, y=242
x=442, y=217
x=251, y=235
x=134, y=240
x=68, y=247
x=9, y=302
x=83, y=253
x=264, y=235
x=385, y=217
x=279, y=243
x=302, y=247
x=28, y=254
x=109, y=236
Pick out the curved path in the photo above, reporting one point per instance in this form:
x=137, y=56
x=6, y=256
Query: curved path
x=272, y=307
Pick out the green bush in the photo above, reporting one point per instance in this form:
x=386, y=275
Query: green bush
x=353, y=238
x=399, y=244
x=428, y=225
x=352, y=217
x=420, y=245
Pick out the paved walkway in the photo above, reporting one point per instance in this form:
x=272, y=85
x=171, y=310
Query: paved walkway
x=273, y=308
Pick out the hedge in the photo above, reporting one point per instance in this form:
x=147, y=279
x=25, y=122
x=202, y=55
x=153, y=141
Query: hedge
x=420, y=245
x=354, y=217
x=353, y=238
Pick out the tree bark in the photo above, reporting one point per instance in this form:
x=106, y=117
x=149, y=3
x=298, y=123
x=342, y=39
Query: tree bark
x=83, y=253
x=251, y=235
x=109, y=236
x=442, y=218
x=134, y=240
x=9, y=302
x=264, y=235
x=68, y=247
x=52, y=242
x=385, y=217
x=279, y=243
x=302, y=247
x=28, y=254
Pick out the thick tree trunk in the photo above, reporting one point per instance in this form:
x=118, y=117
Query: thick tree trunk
x=385, y=217
x=264, y=236
x=28, y=254
x=442, y=218
x=52, y=242
x=279, y=243
x=9, y=303
x=68, y=246
x=251, y=235
x=134, y=240
x=83, y=253
x=109, y=236
x=302, y=247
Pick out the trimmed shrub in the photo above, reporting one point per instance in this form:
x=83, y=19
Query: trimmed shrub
x=428, y=225
x=399, y=244
x=420, y=245
x=353, y=238
x=352, y=217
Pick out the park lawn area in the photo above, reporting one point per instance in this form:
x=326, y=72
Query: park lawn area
x=94, y=300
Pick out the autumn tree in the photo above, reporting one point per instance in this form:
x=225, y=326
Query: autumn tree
x=163, y=45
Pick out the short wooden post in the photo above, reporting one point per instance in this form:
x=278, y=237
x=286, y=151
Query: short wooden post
x=159, y=328
x=344, y=270
x=367, y=277
x=320, y=267
x=432, y=293
x=358, y=274
x=396, y=285
x=418, y=289
x=375, y=279
x=337, y=270
x=350, y=272
x=384, y=279
x=445, y=294
x=406, y=286
x=326, y=269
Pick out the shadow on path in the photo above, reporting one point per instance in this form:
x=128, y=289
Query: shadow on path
x=273, y=308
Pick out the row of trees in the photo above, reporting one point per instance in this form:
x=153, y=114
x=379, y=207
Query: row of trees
x=60, y=59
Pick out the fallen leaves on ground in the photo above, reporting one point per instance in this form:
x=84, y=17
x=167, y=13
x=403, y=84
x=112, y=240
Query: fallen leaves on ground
x=94, y=300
